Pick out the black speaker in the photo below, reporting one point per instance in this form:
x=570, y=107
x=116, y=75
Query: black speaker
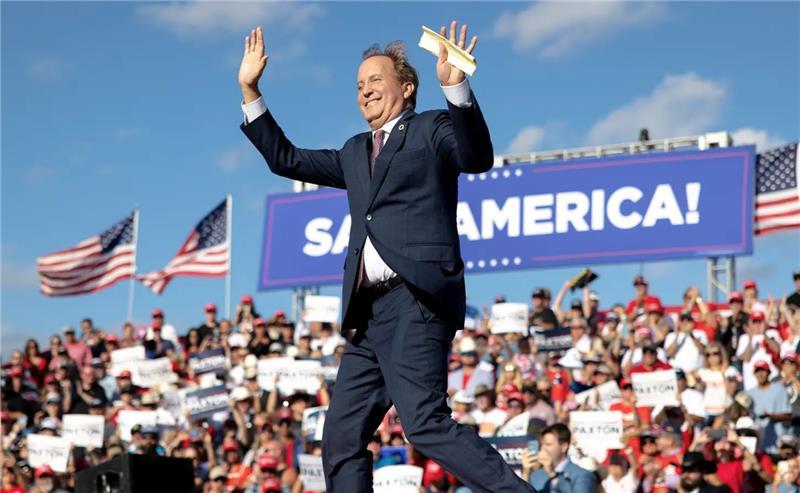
x=131, y=473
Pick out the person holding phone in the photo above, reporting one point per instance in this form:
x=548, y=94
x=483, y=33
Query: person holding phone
x=550, y=470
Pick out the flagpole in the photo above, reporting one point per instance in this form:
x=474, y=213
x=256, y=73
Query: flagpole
x=132, y=286
x=229, y=234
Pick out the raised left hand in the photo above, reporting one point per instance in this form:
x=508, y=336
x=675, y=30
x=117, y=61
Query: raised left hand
x=448, y=74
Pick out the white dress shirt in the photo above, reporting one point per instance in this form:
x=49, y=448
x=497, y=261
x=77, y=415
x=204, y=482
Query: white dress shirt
x=374, y=266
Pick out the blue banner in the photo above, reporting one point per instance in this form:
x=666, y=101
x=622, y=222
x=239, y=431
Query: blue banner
x=204, y=403
x=632, y=208
x=210, y=360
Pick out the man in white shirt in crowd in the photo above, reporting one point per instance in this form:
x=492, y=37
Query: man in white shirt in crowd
x=685, y=345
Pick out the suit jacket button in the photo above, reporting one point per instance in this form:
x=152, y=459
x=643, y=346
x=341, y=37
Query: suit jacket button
x=355, y=251
x=369, y=217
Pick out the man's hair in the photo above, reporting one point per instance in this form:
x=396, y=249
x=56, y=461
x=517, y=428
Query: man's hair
x=560, y=431
x=396, y=51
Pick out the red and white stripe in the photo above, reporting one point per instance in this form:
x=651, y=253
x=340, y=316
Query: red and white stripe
x=776, y=211
x=209, y=262
x=82, y=269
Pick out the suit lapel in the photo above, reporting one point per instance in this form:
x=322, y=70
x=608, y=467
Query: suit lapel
x=396, y=138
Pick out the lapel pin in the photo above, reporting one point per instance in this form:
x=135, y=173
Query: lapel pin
x=401, y=127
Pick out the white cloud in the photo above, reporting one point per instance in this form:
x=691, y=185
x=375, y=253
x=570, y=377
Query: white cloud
x=38, y=173
x=233, y=159
x=526, y=140
x=47, y=69
x=201, y=18
x=680, y=105
x=553, y=29
x=761, y=138
x=18, y=276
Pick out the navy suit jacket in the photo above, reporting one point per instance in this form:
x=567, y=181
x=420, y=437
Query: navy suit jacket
x=408, y=207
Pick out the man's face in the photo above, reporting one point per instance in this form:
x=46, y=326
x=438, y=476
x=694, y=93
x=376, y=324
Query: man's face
x=538, y=302
x=86, y=326
x=756, y=327
x=70, y=337
x=381, y=96
x=736, y=307
x=762, y=376
x=691, y=478
x=556, y=450
x=648, y=357
x=469, y=359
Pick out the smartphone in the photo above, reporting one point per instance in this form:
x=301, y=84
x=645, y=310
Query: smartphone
x=533, y=446
x=717, y=433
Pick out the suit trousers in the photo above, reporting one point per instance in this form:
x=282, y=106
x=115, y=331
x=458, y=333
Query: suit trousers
x=401, y=359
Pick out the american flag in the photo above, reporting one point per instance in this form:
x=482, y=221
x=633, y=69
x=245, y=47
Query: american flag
x=205, y=253
x=93, y=264
x=777, y=192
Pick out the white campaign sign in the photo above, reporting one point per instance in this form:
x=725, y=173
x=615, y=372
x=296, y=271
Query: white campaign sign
x=657, y=388
x=397, y=479
x=294, y=375
x=83, y=430
x=596, y=429
x=150, y=373
x=600, y=397
x=311, y=472
x=321, y=309
x=509, y=317
x=127, y=419
x=44, y=450
x=126, y=359
x=313, y=421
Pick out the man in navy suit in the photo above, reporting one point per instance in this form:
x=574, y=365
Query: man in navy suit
x=403, y=288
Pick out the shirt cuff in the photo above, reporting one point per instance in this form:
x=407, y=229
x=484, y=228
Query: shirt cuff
x=253, y=110
x=459, y=94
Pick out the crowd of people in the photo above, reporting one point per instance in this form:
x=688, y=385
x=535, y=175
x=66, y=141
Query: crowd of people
x=734, y=428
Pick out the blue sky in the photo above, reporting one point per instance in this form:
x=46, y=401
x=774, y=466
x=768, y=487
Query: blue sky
x=107, y=105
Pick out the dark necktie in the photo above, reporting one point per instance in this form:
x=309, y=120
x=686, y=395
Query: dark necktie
x=377, y=145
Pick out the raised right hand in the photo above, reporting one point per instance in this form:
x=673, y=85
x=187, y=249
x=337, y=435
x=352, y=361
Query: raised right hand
x=254, y=61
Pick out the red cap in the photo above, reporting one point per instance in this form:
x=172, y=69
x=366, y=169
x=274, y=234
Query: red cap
x=210, y=307
x=653, y=306
x=284, y=413
x=247, y=299
x=639, y=280
x=761, y=365
x=16, y=372
x=509, y=388
x=750, y=283
x=279, y=314
x=158, y=312
x=624, y=382
x=43, y=470
x=267, y=462
x=259, y=321
x=271, y=485
x=757, y=316
x=790, y=357
x=433, y=472
x=516, y=396
x=124, y=374
x=735, y=297
x=396, y=429
x=49, y=378
x=229, y=444
x=111, y=338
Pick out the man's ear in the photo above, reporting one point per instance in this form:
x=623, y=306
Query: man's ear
x=408, y=89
